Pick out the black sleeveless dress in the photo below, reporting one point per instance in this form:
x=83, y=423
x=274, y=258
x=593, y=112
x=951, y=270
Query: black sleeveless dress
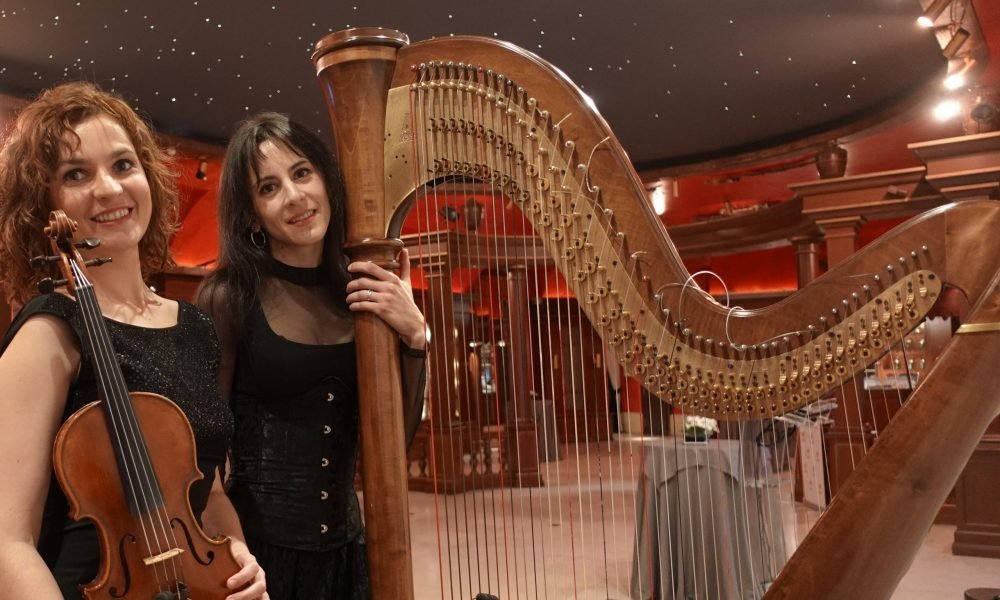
x=178, y=362
x=293, y=459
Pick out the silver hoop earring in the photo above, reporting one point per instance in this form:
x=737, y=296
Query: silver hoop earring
x=258, y=238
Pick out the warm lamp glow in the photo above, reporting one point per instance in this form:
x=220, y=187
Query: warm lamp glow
x=947, y=109
x=957, y=79
x=932, y=13
x=659, y=199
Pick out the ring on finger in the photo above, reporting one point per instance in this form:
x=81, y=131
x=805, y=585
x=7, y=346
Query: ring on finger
x=369, y=297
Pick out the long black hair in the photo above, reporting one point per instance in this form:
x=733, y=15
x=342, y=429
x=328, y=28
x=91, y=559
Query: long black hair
x=231, y=290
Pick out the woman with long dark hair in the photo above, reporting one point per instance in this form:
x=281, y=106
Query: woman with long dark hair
x=283, y=298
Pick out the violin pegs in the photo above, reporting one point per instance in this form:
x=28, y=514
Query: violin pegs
x=88, y=243
x=37, y=262
x=96, y=262
x=49, y=285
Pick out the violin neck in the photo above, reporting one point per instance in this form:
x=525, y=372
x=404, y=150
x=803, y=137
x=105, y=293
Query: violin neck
x=141, y=486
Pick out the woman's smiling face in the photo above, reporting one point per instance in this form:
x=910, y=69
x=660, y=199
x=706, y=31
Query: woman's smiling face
x=100, y=183
x=291, y=205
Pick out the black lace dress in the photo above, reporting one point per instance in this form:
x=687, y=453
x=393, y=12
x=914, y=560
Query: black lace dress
x=177, y=362
x=294, y=453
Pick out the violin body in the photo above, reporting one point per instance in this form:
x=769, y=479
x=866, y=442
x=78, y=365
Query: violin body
x=145, y=556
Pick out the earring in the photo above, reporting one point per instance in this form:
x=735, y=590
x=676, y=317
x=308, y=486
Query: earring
x=258, y=238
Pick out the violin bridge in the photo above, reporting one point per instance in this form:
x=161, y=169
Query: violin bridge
x=152, y=560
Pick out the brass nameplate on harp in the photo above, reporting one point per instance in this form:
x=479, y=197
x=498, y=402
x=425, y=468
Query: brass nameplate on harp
x=978, y=327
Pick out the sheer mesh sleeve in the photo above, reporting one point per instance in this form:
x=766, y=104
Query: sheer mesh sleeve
x=413, y=374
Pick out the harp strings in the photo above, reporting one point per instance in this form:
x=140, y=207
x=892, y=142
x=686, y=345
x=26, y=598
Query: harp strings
x=516, y=550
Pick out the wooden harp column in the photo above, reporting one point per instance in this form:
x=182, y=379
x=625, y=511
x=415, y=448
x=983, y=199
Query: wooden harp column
x=355, y=79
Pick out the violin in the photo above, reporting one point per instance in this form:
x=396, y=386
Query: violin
x=126, y=462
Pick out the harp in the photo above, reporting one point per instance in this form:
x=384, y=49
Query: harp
x=407, y=116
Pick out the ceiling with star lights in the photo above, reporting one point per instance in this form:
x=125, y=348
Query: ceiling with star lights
x=679, y=82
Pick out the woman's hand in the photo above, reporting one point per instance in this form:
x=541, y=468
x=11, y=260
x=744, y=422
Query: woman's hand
x=388, y=296
x=249, y=580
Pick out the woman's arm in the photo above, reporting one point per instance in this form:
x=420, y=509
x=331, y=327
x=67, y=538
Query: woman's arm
x=211, y=299
x=219, y=518
x=390, y=297
x=35, y=373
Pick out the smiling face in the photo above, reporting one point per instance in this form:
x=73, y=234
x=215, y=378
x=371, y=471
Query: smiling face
x=291, y=205
x=99, y=183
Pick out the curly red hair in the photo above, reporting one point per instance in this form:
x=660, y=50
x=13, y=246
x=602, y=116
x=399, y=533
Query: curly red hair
x=28, y=160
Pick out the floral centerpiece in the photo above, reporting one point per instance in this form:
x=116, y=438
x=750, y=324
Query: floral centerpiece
x=699, y=429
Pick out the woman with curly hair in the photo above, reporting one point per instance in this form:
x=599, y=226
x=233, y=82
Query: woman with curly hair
x=86, y=152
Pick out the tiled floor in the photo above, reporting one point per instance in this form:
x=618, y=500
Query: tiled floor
x=574, y=538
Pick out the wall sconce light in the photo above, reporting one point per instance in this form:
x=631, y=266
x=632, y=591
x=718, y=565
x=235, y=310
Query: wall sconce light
x=658, y=196
x=202, y=172
x=955, y=43
x=661, y=193
x=947, y=109
x=957, y=79
x=932, y=13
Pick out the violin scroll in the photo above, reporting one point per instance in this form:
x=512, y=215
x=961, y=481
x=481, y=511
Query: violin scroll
x=65, y=252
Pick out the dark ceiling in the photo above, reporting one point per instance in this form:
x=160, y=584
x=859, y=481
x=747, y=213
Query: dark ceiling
x=679, y=82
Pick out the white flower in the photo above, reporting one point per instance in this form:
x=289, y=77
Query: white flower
x=705, y=424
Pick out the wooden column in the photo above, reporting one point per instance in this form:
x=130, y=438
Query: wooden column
x=444, y=439
x=807, y=268
x=848, y=439
x=521, y=433
x=977, y=531
x=806, y=259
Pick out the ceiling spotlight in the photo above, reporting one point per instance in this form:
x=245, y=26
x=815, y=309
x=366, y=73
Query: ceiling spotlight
x=955, y=43
x=947, y=109
x=932, y=13
x=957, y=79
x=202, y=172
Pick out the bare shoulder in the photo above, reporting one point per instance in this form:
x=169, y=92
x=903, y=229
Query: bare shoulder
x=40, y=362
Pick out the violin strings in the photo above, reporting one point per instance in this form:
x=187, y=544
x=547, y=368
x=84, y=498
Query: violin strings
x=118, y=405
